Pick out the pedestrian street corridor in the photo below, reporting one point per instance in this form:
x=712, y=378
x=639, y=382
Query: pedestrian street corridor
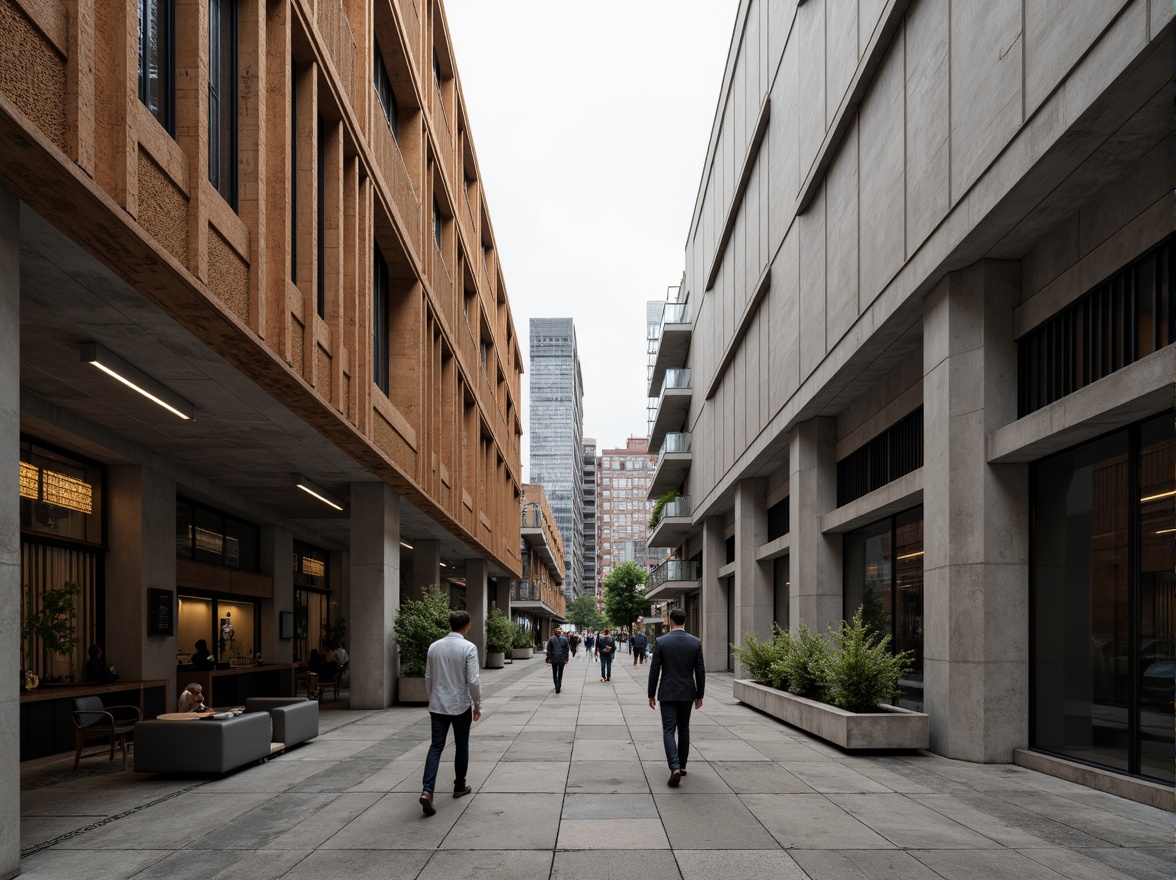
x=574, y=785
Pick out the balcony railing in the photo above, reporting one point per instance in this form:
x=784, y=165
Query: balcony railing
x=676, y=379
x=676, y=442
x=676, y=313
x=525, y=591
x=678, y=507
x=673, y=570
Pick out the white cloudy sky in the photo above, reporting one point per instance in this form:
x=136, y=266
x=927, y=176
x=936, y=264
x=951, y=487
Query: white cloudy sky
x=590, y=119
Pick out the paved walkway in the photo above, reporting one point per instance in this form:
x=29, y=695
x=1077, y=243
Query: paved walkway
x=575, y=786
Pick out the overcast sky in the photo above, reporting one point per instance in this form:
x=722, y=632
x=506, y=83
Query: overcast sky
x=590, y=119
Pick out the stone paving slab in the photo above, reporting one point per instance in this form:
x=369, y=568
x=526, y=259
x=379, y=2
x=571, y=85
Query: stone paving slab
x=574, y=785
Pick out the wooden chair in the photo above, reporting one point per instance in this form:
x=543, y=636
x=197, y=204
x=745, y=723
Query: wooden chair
x=93, y=721
x=332, y=685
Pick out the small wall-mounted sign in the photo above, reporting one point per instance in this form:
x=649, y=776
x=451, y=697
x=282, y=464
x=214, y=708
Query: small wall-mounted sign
x=161, y=615
x=285, y=624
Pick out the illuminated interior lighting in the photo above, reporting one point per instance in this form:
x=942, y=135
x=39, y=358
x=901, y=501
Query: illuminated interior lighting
x=313, y=567
x=911, y=555
x=28, y=480
x=406, y=545
x=318, y=492
x=1157, y=497
x=1166, y=532
x=117, y=368
x=68, y=492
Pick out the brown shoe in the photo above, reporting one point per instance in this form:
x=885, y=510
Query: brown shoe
x=426, y=800
x=463, y=792
x=675, y=778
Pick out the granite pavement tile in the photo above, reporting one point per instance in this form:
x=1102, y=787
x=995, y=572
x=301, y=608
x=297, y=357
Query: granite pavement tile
x=314, y=831
x=488, y=864
x=256, y=828
x=908, y=824
x=711, y=821
x=527, y=776
x=476, y=775
x=538, y=751
x=64, y=864
x=756, y=777
x=224, y=864
x=831, y=776
x=506, y=821
x=861, y=864
x=341, y=776
x=615, y=865
x=1075, y=864
x=811, y=821
x=272, y=776
x=1143, y=864
x=701, y=778
x=603, y=750
x=1010, y=832
x=619, y=777
x=605, y=834
x=993, y=864
x=701, y=864
x=1075, y=813
x=610, y=806
x=360, y=864
x=396, y=821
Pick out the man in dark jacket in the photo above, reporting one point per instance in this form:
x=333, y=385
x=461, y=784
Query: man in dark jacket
x=606, y=647
x=638, y=643
x=677, y=660
x=558, y=654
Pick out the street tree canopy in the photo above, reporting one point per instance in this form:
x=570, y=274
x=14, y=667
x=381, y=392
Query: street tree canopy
x=582, y=612
x=624, y=594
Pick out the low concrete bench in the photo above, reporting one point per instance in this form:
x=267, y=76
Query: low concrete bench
x=201, y=746
x=294, y=719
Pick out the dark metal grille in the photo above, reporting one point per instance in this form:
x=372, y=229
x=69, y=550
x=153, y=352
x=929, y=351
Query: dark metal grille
x=895, y=452
x=1123, y=319
x=778, y=520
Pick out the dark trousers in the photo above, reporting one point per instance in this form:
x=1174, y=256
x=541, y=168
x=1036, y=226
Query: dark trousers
x=638, y=656
x=606, y=665
x=557, y=674
x=675, y=716
x=461, y=742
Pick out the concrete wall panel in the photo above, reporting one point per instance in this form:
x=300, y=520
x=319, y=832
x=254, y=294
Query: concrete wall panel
x=927, y=143
x=1121, y=44
x=812, y=285
x=782, y=149
x=784, y=318
x=841, y=52
x=1052, y=50
x=810, y=120
x=985, y=86
x=842, y=239
x=869, y=16
x=1159, y=16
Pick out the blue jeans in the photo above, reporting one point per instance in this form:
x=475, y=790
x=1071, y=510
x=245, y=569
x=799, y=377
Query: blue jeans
x=675, y=716
x=606, y=665
x=461, y=741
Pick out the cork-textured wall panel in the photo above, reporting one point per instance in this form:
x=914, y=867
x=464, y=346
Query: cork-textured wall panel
x=345, y=393
x=389, y=440
x=163, y=209
x=228, y=275
x=322, y=372
x=32, y=73
x=297, y=343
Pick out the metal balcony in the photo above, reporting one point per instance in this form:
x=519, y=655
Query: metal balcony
x=673, y=406
x=674, y=344
x=673, y=526
x=671, y=579
x=541, y=534
x=673, y=464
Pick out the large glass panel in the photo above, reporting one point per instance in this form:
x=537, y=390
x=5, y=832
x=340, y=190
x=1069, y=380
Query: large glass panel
x=1157, y=590
x=235, y=632
x=210, y=539
x=1081, y=625
x=195, y=622
x=868, y=567
x=780, y=590
x=60, y=496
x=222, y=98
x=908, y=602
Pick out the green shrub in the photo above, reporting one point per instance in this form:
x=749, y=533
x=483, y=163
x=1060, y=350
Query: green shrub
x=761, y=658
x=804, y=665
x=419, y=623
x=522, y=637
x=655, y=514
x=499, y=632
x=861, y=672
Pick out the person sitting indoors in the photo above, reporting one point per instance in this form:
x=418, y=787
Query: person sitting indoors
x=96, y=668
x=330, y=668
x=340, y=655
x=202, y=658
x=314, y=663
x=192, y=699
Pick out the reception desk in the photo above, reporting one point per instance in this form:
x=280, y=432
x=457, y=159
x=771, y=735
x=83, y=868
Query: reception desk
x=233, y=686
x=46, y=713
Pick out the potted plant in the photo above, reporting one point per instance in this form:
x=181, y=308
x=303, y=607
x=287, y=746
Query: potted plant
x=499, y=636
x=53, y=624
x=833, y=686
x=655, y=514
x=522, y=647
x=419, y=623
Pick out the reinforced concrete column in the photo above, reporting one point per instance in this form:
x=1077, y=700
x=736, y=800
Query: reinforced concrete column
x=375, y=594
x=277, y=560
x=426, y=566
x=141, y=508
x=714, y=596
x=9, y=530
x=976, y=547
x=501, y=594
x=753, y=580
x=477, y=604
x=816, y=597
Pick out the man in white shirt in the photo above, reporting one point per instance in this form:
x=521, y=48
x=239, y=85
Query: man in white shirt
x=455, y=697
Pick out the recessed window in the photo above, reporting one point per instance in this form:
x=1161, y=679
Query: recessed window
x=322, y=219
x=438, y=219
x=157, y=60
x=222, y=98
x=294, y=173
x=382, y=84
x=380, y=322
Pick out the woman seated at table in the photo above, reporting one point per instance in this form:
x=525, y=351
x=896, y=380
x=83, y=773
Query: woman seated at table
x=192, y=699
x=203, y=658
x=96, y=668
x=330, y=669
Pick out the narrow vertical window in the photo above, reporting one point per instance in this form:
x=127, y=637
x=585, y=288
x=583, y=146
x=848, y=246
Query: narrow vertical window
x=382, y=83
x=437, y=79
x=380, y=322
x=157, y=58
x=222, y=98
x=322, y=219
x=437, y=219
x=294, y=173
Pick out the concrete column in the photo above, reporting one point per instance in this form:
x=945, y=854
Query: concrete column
x=9, y=530
x=375, y=594
x=815, y=558
x=277, y=560
x=754, y=609
x=141, y=508
x=426, y=566
x=976, y=549
x=477, y=603
x=714, y=596
x=501, y=594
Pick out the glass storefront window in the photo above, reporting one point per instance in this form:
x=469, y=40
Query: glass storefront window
x=60, y=495
x=884, y=577
x=208, y=535
x=310, y=617
x=229, y=626
x=1102, y=599
x=781, y=592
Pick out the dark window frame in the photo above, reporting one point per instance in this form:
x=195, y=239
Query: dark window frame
x=165, y=64
x=894, y=453
x=321, y=268
x=222, y=169
x=381, y=314
x=385, y=93
x=225, y=519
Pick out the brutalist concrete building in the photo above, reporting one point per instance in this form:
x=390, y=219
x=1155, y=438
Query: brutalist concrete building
x=928, y=322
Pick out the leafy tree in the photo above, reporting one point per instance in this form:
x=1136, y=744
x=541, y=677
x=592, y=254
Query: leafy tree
x=583, y=613
x=624, y=594
x=419, y=623
x=499, y=632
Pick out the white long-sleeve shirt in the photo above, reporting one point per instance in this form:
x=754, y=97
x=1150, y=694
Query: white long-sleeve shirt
x=452, y=675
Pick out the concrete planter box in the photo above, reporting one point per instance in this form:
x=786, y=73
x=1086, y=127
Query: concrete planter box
x=891, y=728
x=495, y=659
x=412, y=689
x=521, y=653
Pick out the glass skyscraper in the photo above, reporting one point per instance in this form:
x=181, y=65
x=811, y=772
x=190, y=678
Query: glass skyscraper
x=557, y=433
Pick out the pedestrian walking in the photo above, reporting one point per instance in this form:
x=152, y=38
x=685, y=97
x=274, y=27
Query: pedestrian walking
x=574, y=641
x=677, y=662
x=639, y=643
x=589, y=643
x=605, y=648
x=558, y=654
x=455, y=698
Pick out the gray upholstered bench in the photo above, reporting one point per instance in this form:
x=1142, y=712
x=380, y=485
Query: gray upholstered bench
x=206, y=745
x=294, y=719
